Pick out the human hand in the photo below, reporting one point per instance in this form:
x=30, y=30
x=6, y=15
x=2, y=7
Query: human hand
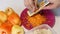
x=31, y=4
x=53, y=4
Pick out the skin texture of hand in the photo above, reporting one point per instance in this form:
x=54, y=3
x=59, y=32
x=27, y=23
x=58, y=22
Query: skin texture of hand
x=53, y=4
x=32, y=4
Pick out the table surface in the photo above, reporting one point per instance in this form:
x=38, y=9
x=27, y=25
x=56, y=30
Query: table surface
x=18, y=6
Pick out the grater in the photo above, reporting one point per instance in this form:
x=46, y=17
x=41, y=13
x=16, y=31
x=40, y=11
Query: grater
x=41, y=4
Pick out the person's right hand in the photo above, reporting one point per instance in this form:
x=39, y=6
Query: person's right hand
x=31, y=4
x=53, y=4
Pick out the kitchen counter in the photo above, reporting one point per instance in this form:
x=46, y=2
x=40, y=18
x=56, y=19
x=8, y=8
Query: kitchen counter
x=18, y=6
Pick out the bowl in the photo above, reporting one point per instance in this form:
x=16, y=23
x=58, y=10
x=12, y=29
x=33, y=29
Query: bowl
x=42, y=29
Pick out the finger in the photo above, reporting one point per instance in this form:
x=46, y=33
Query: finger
x=32, y=5
x=31, y=2
x=36, y=4
x=26, y=2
